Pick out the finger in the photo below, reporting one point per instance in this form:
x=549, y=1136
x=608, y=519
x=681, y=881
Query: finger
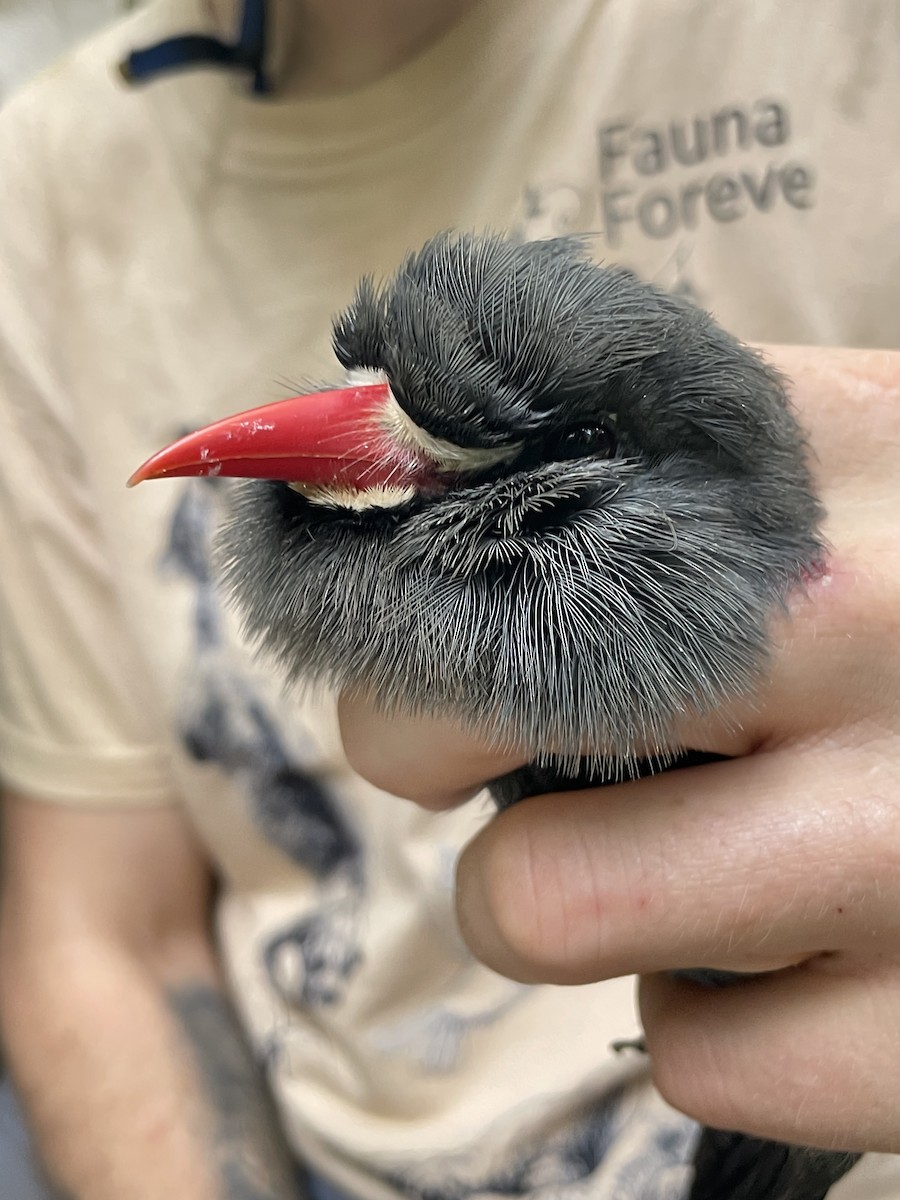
x=848, y=401
x=433, y=762
x=807, y=1056
x=736, y=866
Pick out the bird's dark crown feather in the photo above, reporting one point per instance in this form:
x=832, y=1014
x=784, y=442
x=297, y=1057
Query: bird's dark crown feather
x=560, y=602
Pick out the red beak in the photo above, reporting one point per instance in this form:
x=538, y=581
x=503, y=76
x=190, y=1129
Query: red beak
x=324, y=438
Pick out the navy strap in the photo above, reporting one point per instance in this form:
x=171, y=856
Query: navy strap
x=195, y=49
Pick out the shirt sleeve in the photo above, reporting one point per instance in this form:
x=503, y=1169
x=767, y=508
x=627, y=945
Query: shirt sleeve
x=76, y=721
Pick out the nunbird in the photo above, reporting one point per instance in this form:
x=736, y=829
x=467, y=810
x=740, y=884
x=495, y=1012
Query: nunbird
x=550, y=501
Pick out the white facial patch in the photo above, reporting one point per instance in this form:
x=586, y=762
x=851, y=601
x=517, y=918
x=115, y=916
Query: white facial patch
x=404, y=433
x=447, y=456
x=359, y=500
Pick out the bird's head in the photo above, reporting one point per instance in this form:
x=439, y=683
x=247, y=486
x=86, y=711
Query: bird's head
x=551, y=501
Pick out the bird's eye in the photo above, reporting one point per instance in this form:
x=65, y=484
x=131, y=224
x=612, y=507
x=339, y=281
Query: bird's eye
x=581, y=441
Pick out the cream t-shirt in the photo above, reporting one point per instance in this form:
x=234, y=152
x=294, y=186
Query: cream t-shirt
x=172, y=252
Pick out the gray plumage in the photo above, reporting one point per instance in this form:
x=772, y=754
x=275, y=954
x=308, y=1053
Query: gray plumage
x=562, y=600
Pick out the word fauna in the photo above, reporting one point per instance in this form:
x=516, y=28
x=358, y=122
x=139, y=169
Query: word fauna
x=650, y=150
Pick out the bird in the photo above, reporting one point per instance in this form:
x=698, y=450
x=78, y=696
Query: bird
x=550, y=501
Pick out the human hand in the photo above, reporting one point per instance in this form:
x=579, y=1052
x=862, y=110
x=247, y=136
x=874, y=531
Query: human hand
x=786, y=859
